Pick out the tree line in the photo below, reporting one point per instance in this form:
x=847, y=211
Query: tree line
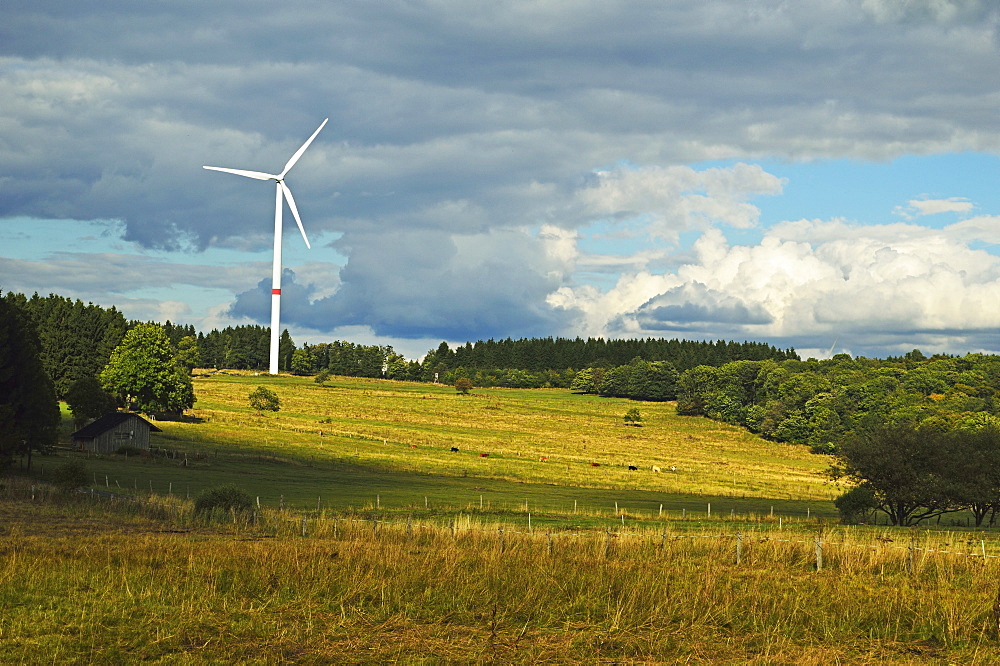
x=643, y=369
x=545, y=354
x=819, y=403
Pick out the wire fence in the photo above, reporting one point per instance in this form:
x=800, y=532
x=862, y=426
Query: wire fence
x=818, y=547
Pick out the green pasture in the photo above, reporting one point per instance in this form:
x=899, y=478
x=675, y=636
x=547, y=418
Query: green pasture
x=357, y=443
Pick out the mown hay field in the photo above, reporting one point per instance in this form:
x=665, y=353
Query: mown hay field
x=357, y=442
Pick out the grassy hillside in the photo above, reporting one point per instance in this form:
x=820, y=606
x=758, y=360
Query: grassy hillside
x=101, y=579
x=354, y=442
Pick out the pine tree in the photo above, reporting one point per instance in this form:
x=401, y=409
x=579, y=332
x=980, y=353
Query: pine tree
x=29, y=414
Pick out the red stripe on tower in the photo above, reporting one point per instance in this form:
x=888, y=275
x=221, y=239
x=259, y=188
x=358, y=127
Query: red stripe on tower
x=276, y=292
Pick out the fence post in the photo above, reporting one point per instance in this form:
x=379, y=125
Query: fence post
x=739, y=547
x=819, y=553
x=303, y=525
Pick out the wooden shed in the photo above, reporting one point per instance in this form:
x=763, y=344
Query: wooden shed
x=113, y=431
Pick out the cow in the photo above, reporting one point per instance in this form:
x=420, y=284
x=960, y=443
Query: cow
x=543, y=459
x=454, y=449
x=484, y=455
x=656, y=469
x=595, y=464
x=633, y=468
x=413, y=446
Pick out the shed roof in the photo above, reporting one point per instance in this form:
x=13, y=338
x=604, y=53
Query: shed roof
x=107, y=422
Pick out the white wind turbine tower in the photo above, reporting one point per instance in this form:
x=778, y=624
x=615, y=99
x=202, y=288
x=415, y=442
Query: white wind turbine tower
x=281, y=193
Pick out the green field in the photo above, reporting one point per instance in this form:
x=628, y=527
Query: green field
x=376, y=543
x=360, y=442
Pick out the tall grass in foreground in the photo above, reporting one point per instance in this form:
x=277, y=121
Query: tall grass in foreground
x=104, y=583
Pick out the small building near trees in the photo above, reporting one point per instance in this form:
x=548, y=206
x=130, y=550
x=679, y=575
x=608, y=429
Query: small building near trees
x=113, y=431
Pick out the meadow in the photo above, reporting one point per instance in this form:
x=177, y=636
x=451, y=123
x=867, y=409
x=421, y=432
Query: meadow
x=375, y=542
x=358, y=441
x=85, y=579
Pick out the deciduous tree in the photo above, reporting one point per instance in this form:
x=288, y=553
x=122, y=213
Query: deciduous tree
x=144, y=376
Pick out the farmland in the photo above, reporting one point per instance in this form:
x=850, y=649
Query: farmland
x=358, y=441
x=375, y=542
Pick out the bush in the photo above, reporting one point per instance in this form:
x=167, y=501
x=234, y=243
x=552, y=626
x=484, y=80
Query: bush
x=463, y=385
x=633, y=417
x=227, y=497
x=264, y=399
x=856, y=505
x=70, y=476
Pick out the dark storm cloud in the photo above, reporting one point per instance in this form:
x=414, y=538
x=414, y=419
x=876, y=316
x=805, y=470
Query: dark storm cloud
x=695, y=305
x=418, y=284
x=454, y=125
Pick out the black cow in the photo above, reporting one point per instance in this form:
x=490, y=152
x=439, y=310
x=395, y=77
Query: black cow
x=633, y=468
x=454, y=449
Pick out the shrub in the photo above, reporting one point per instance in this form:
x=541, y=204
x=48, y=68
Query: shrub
x=70, y=476
x=264, y=399
x=856, y=505
x=227, y=497
x=463, y=385
x=633, y=417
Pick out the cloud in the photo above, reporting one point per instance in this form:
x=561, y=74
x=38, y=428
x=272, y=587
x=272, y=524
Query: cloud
x=429, y=284
x=807, y=281
x=695, y=304
x=679, y=198
x=919, y=207
x=512, y=168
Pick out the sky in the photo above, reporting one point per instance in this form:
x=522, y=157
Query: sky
x=818, y=174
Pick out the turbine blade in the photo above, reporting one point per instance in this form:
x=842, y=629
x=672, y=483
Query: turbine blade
x=298, y=153
x=295, y=211
x=240, y=172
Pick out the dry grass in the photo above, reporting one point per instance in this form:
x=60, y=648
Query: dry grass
x=351, y=592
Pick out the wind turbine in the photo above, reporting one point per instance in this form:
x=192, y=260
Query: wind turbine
x=282, y=193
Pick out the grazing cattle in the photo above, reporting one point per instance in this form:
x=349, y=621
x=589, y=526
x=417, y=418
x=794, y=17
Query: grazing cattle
x=595, y=464
x=673, y=468
x=656, y=469
x=413, y=446
x=633, y=468
x=454, y=449
x=544, y=459
x=484, y=455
